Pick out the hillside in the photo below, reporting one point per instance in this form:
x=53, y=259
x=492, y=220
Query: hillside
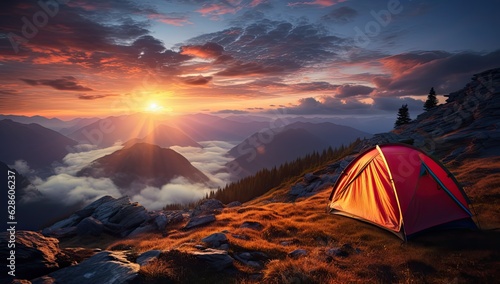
x=285, y=235
x=273, y=148
x=37, y=145
x=143, y=164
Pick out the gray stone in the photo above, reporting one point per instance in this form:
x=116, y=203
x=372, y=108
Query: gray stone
x=215, y=240
x=208, y=206
x=36, y=255
x=241, y=237
x=199, y=221
x=297, y=253
x=105, y=268
x=233, y=204
x=60, y=232
x=90, y=226
x=147, y=256
x=216, y=259
x=161, y=221
x=254, y=259
x=144, y=229
x=252, y=225
x=175, y=217
x=130, y=216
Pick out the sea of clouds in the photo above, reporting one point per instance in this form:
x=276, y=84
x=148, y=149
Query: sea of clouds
x=68, y=189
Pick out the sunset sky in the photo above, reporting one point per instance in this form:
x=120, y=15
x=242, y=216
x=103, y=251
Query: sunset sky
x=302, y=57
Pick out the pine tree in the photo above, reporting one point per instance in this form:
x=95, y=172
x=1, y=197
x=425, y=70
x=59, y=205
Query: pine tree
x=403, y=116
x=431, y=101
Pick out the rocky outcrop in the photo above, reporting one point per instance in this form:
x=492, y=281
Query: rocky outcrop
x=105, y=215
x=199, y=221
x=105, y=267
x=36, y=255
x=467, y=125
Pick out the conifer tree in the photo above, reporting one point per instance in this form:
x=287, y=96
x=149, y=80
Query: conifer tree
x=403, y=116
x=431, y=101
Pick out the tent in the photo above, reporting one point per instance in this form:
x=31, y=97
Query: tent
x=401, y=189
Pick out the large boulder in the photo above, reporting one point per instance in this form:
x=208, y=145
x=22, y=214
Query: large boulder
x=105, y=268
x=36, y=254
x=107, y=214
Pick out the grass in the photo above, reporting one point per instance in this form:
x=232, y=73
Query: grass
x=370, y=254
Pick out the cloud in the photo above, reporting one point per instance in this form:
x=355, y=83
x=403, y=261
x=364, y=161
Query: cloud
x=231, y=111
x=210, y=160
x=174, y=19
x=95, y=97
x=196, y=80
x=65, y=83
x=249, y=69
x=208, y=50
x=322, y=3
x=215, y=10
x=178, y=191
x=84, y=155
x=415, y=73
x=22, y=167
x=342, y=15
x=70, y=190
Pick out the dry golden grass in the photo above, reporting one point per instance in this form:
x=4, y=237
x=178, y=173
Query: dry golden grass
x=376, y=256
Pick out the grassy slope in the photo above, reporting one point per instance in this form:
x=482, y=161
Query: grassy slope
x=378, y=256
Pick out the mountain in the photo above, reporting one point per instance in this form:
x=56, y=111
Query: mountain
x=37, y=145
x=204, y=127
x=166, y=136
x=61, y=126
x=143, y=164
x=272, y=148
x=108, y=131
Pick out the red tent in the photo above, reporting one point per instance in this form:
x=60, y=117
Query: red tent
x=401, y=189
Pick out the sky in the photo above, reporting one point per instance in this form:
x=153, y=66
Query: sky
x=87, y=58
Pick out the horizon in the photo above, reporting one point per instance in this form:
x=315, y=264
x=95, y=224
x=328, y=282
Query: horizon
x=297, y=58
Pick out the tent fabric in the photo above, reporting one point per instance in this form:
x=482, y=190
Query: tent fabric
x=399, y=188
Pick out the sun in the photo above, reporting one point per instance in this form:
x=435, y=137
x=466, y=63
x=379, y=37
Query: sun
x=154, y=107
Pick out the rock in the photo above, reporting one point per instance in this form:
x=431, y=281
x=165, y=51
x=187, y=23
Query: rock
x=60, y=232
x=297, y=253
x=105, y=268
x=199, y=221
x=148, y=256
x=254, y=259
x=144, y=229
x=20, y=281
x=215, y=240
x=224, y=247
x=108, y=209
x=175, y=217
x=36, y=255
x=252, y=225
x=161, y=221
x=241, y=237
x=310, y=177
x=233, y=204
x=107, y=214
x=90, y=226
x=130, y=216
x=216, y=259
x=208, y=206
x=337, y=252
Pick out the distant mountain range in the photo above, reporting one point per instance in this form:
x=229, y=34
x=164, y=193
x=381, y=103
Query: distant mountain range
x=267, y=150
x=166, y=136
x=37, y=145
x=143, y=164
